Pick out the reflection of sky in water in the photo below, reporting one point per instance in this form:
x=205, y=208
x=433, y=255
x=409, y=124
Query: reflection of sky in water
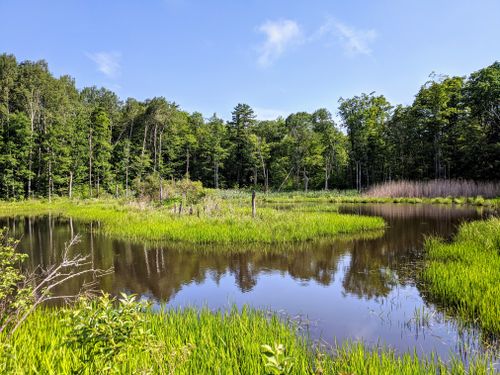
x=348, y=289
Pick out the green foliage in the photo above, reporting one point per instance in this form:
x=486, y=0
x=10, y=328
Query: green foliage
x=339, y=197
x=191, y=192
x=227, y=223
x=463, y=276
x=14, y=150
x=275, y=360
x=194, y=341
x=185, y=190
x=103, y=328
x=15, y=295
x=58, y=140
x=365, y=117
x=481, y=93
x=100, y=147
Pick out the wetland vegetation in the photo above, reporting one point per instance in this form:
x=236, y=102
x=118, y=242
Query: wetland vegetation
x=161, y=198
x=242, y=339
x=193, y=341
x=464, y=276
x=222, y=222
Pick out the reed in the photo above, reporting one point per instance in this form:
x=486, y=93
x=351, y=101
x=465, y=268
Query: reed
x=193, y=341
x=435, y=189
x=231, y=222
x=464, y=276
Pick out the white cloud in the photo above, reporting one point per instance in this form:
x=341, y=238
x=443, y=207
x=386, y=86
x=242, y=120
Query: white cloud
x=107, y=62
x=283, y=34
x=355, y=41
x=269, y=113
x=280, y=35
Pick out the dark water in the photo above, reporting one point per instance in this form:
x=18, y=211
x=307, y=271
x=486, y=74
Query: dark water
x=344, y=289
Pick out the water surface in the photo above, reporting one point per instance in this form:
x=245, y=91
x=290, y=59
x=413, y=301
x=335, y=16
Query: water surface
x=355, y=289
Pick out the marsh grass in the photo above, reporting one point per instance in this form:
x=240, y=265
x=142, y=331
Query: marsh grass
x=260, y=247
x=464, y=276
x=231, y=222
x=357, y=199
x=194, y=341
x=312, y=194
x=435, y=189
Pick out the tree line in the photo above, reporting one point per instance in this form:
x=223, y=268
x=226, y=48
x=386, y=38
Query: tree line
x=58, y=140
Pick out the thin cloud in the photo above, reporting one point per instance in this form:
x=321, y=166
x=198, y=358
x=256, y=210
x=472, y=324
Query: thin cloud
x=354, y=41
x=284, y=34
x=107, y=62
x=280, y=35
x=268, y=113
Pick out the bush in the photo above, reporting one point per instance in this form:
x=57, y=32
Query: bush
x=15, y=295
x=102, y=328
x=185, y=190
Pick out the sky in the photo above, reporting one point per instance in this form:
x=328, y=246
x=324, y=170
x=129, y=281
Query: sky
x=278, y=56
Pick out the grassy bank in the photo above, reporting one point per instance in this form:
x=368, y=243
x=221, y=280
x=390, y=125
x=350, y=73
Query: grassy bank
x=338, y=199
x=464, y=276
x=223, y=222
x=202, y=342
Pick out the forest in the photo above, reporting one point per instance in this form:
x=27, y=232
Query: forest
x=58, y=140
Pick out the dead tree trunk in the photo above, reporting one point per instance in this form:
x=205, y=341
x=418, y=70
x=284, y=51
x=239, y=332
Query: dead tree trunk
x=254, y=208
x=70, y=192
x=216, y=174
x=306, y=181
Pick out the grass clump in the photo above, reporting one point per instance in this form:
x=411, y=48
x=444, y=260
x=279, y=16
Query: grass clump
x=230, y=222
x=464, y=276
x=193, y=341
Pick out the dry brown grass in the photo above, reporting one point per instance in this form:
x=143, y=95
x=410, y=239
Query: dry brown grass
x=435, y=188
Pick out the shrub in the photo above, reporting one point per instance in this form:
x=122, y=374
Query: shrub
x=102, y=328
x=14, y=293
x=152, y=188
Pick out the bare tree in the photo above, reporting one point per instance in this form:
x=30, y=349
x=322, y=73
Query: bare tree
x=32, y=289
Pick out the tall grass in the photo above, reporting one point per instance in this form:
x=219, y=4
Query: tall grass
x=435, y=188
x=464, y=276
x=311, y=194
x=359, y=199
x=203, y=342
x=230, y=223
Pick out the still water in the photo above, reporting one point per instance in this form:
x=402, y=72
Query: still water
x=349, y=289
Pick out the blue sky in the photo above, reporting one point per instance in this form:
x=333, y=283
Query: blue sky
x=278, y=56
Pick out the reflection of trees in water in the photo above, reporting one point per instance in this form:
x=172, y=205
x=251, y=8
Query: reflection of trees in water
x=441, y=212
x=369, y=274
x=44, y=239
x=374, y=265
x=143, y=272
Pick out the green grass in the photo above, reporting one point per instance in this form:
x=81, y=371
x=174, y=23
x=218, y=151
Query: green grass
x=230, y=223
x=464, y=276
x=326, y=197
x=202, y=342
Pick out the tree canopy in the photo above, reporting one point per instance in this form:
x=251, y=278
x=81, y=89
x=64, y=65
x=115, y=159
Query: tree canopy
x=58, y=140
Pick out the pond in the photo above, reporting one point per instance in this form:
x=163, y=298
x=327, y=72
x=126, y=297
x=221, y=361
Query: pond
x=347, y=289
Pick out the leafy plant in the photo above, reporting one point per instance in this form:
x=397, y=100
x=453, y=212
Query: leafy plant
x=15, y=295
x=103, y=327
x=275, y=359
